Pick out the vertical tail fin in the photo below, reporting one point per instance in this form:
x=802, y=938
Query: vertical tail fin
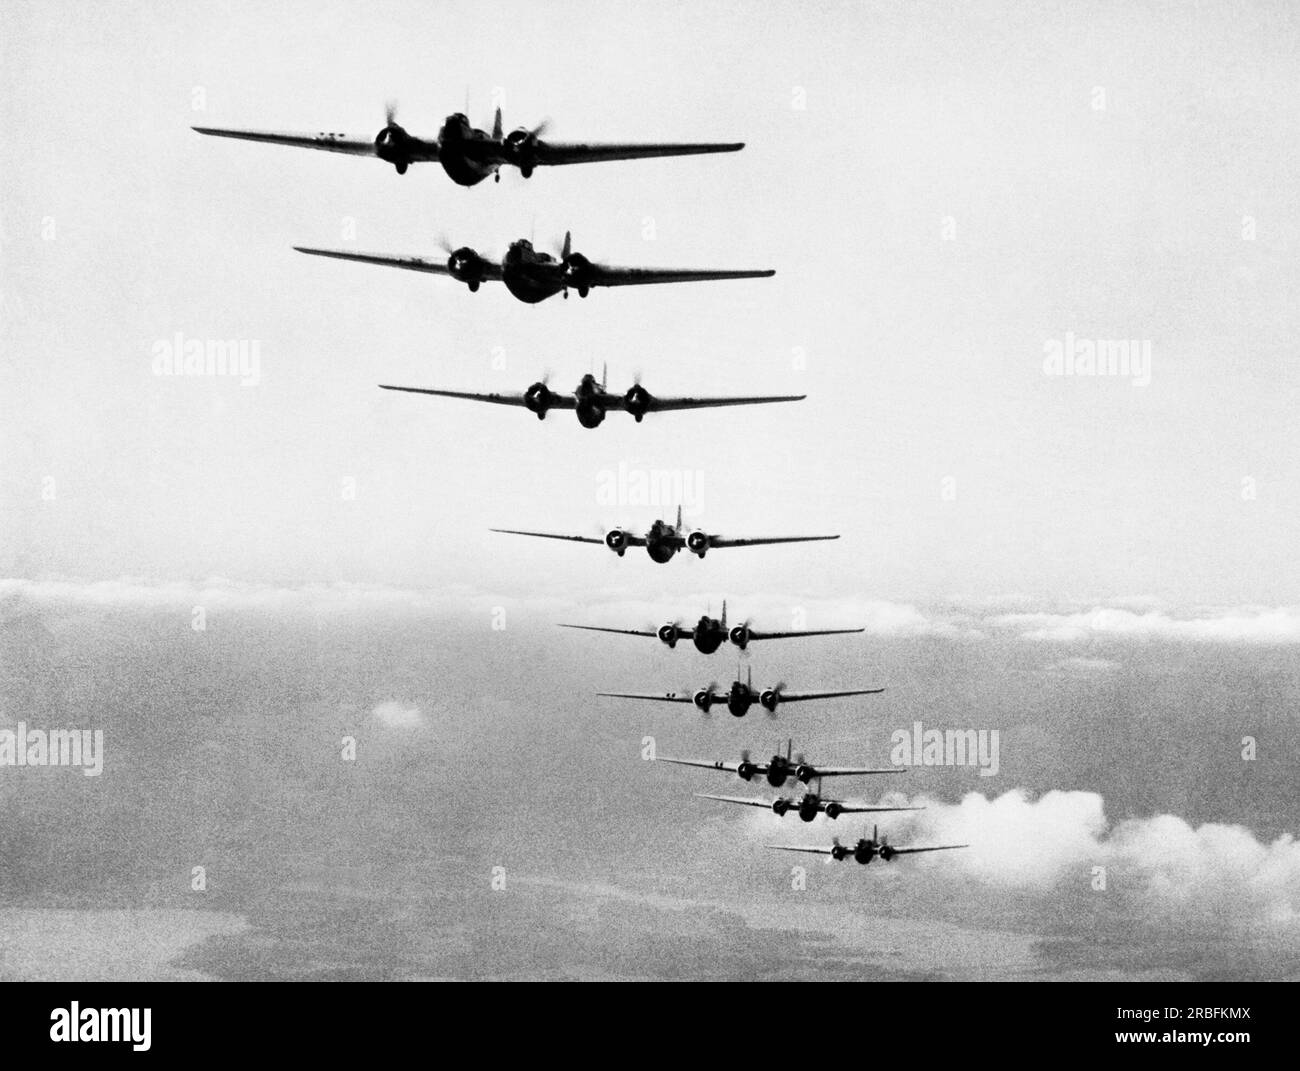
x=789, y=748
x=724, y=613
x=568, y=244
x=604, y=376
x=497, y=128
x=679, y=517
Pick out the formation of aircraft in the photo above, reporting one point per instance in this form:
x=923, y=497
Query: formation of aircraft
x=532, y=275
x=780, y=768
x=807, y=807
x=710, y=633
x=467, y=154
x=590, y=400
x=663, y=541
x=739, y=697
x=867, y=848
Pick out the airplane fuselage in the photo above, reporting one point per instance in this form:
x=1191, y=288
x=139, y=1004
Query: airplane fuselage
x=466, y=154
x=778, y=771
x=659, y=542
x=709, y=635
x=532, y=276
x=740, y=699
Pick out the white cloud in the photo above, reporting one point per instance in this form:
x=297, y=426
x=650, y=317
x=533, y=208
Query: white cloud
x=396, y=715
x=1117, y=621
x=1158, y=869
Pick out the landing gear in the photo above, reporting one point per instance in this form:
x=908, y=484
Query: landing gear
x=496, y=176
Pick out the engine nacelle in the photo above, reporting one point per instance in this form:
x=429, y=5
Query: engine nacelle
x=703, y=699
x=780, y=806
x=770, y=699
x=834, y=810
x=637, y=401
x=805, y=773
x=697, y=543
x=839, y=853
x=668, y=635
x=740, y=636
x=521, y=150
x=538, y=399
x=616, y=540
x=578, y=273
x=392, y=145
x=746, y=770
x=886, y=853
x=466, y=266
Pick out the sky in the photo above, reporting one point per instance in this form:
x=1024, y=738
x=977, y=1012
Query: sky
x=932, y=439
x=1101, y=567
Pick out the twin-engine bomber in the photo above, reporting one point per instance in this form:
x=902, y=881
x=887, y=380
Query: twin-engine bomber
x=533, y=276
x=867, y=849
x=807, y=807
x=469, y=155
x=739, y=697
x=590, y=401
x=780, y=768
x=711, y=633
x=663, y=541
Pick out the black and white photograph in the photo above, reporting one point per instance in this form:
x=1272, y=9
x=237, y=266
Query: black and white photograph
x=744, y=491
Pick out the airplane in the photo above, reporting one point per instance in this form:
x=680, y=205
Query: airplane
x=533, y=276
x=663, y=541
x=590, y=402
x=867, y=848
x=807, y=807
x=780, y=768
x=469, y=155
x=709, y=633
x=739, y=697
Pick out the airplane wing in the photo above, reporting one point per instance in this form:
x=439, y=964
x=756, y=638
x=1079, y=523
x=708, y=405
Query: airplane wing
x=556, y=401
x=748, y=801
x=557, y=153
x=793, y=635
x=665, y=405
x=854, y=808
x=329, y=142
x=798, y=697
x=718, y=542
x=620, y=631
x=708, y=764
x=425, y=264
x=800, y=848
x=853, y=771
x=632, y=541
x=606, y=276
x=662, y=697
x=935, y=848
